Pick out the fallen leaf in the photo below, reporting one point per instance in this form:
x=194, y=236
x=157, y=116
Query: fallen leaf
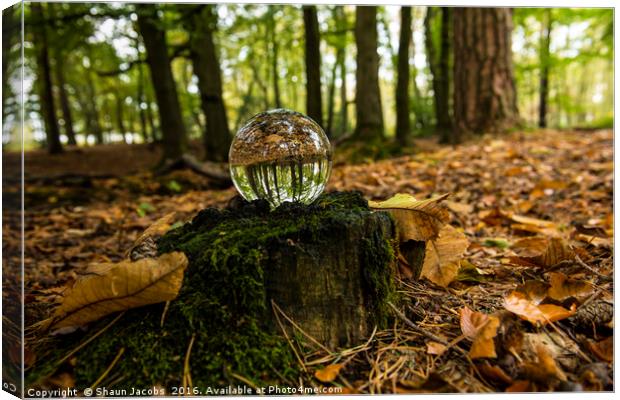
x=563, y=287
x=459, y=208
x=145, y=246
x=441, y=260
x=604, y=349
x=494, y=372
x=435, y=348
x=545, y=368
x=534, y=290
x=541, y=251
x=481, y=328
x=517, y=303
x=419, y=220
x=328, y=373
x=519, y=387
x=112, y=287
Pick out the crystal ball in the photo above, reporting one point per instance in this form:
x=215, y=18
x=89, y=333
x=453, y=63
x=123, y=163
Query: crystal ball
x=280, y=155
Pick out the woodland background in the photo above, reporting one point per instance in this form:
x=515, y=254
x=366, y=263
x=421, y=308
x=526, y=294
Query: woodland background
x=508, y=110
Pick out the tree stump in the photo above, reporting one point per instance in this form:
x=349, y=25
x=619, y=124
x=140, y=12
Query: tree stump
x=329, y=267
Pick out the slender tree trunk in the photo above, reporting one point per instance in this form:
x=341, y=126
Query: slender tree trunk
x=93, y=114
x=275, y=76
x=207, y=68
x=11, y=27
x=485, y=98
x=119, y=118
x=344, y=100
x=442, y=96
x=63, y=97
x=44, y=81
x=403, y=122
x=544, y=69
x=439, y=64
x=150, y=119
x=331, y=93
x=367, y=93
x=172, y=127
x=314, y=106
x=140, y=96
x=61, y=86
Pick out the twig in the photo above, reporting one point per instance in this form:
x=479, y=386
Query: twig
x=422, y=331
x=187, y=377
x=107, y=371
x=286, y=336
x=163, y=314
x=589, y=268
x=247, y=382
x=313, y=340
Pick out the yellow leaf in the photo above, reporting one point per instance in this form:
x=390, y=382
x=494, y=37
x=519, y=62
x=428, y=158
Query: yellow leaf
x=563, y=287
x=145, y=246
x=481, y=328
x=328, y=373
x=543, y=252
x=419, y=220
x=435, y=348
x=441, y=260
x=518, y=303
x=112, y=287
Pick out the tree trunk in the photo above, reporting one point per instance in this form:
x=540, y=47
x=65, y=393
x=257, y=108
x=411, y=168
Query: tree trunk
x=44, y=81
x=93, y=123
x=403, y=122
x=442, y=96
x=331, y=92
x=314, y=106
x=545, y=43
x=367, y=93
x=140, y=95
x=119, y=118
x=11, y=27
x=273, y=41
x=207, y=68
x=485, y=98
x=174, y=139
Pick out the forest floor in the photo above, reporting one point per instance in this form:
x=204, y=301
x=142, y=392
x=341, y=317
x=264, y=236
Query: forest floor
x=504, y=193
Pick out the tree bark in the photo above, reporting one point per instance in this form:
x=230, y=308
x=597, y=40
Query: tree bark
x=403, y=122
x=314, y=106
x=544, y=69
x=367, y=93
x=174, y=139
x=119, y=118
x=273, y=44
x=92, y=116
x=207, y=68
x=44, y=81
x=485, y=98
x=442, y=97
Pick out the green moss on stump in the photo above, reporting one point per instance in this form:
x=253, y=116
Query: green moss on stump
x=224, y=300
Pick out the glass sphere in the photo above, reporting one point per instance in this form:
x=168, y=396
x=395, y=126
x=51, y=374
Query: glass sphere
x=280, y=155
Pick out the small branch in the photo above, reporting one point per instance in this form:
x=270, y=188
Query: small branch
x=107, y=371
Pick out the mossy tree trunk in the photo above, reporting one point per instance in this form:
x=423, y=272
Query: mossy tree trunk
x=329, y=267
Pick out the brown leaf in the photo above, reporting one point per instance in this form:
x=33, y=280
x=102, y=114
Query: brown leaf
x=545, y=368
x=419, y=220
x=563, y=287
x=145, y=246
x=519, y=387
x=517, y=302
x=441, y=260
x=435, y=348
x=112, y=287
x=604, y=349
x=543, y=252
x=328, y=373
x=494, y=372
x=482, y=329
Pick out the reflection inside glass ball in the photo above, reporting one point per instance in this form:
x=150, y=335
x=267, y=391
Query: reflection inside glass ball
x=280, y=155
